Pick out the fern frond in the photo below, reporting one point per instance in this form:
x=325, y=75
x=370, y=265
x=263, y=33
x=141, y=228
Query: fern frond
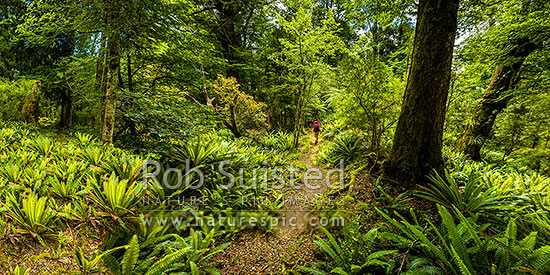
x=540, y=259
x=332, y=241
x=461, y=266
x=168, y=260
x=456, y=240
x=130, y=256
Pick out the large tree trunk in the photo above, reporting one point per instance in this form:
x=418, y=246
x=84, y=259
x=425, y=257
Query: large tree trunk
x=493, y=101
x=418, y=137
x=113, y=62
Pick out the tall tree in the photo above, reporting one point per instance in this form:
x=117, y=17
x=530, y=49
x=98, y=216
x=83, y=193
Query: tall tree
x=234, y=24
x=417, y=142
x=494, y=100
x=113, y=61
x=520, y=31
x=43, y=49
x=305, y=50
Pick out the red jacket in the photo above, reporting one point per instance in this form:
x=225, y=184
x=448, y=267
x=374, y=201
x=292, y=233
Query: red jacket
x=316, y=123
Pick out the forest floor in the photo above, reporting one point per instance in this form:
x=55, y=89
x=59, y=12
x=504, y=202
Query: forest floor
x=286, y=247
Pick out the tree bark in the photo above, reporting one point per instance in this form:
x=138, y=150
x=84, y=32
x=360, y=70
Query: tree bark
x=113, y=62
x=31, y=107
x=234, y=128
x=66, y=119
x=417, y=142
x=494, y=100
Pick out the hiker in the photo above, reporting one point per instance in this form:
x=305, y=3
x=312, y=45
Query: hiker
x=316, y=130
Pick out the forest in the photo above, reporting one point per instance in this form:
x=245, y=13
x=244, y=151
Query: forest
x=274, y=137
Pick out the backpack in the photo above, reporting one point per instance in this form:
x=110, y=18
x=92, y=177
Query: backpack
x=316, y=128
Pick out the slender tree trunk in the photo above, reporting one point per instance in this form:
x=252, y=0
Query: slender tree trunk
x=494, y=100
x=234, y=128
x=113, y=62
x=120, y=80
x=129, y=73
x=418, y=137
x=269, y=119
x=31, y=107
x=66, y=119
x=297, y=120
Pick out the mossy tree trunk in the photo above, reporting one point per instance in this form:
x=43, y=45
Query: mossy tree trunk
x=232, y=124
x=31, y=107
x=113, y=62
x=417, y=142
x=494, y=100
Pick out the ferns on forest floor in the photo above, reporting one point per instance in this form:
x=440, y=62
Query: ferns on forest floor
x=353, y=258
x=49, y=188
x=34, y=216
x=164, y=253
x=503, y=225
x=346, y=147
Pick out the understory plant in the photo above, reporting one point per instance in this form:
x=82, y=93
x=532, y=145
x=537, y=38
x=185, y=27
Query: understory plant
x=32, y=215
x=355, y=255
x=467, y=247
x=167, y=253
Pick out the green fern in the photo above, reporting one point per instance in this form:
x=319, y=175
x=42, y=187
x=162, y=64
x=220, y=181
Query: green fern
x=457, y=241
x=130, y=256
x=167, y=261
x=540, y=259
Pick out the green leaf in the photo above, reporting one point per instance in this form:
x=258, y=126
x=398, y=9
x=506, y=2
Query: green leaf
x=130, y=256
x=194, y=268
x=339, y=270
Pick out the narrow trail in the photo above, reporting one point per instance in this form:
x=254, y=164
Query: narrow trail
x=287, y=246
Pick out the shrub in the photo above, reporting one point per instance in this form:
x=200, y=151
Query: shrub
x=12, y=97
x=345, y=147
